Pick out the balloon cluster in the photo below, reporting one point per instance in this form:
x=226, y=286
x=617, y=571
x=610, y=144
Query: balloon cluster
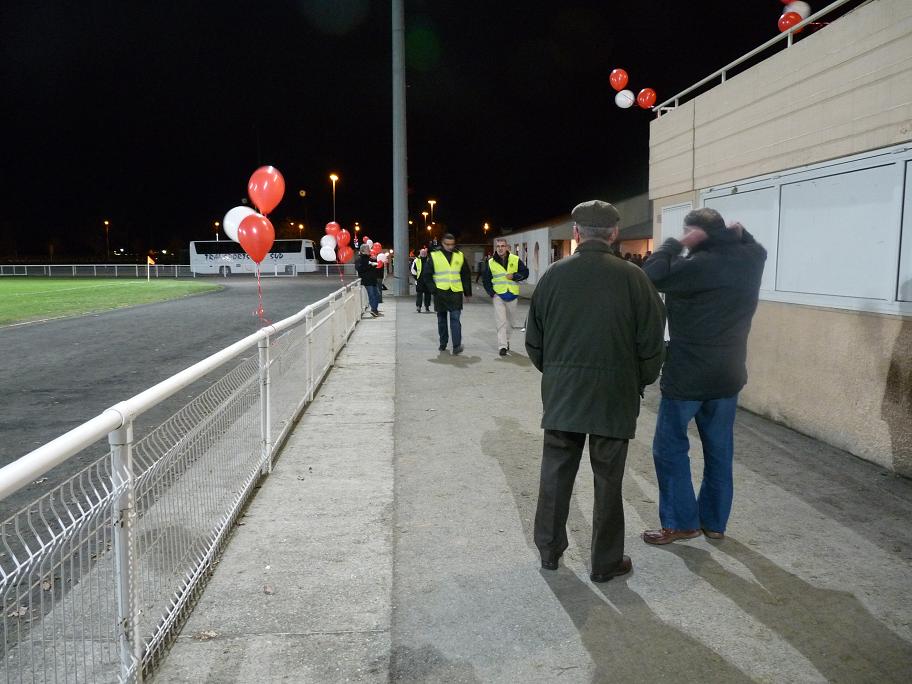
x=625, y=98
x=794, y=12
x=334, y=246
x=252, y=229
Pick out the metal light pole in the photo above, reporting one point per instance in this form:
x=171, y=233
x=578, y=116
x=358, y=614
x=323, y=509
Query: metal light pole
x=400, y=164
x=107, y=225
x=432, y=203
x=333, y=177
x=217, y=224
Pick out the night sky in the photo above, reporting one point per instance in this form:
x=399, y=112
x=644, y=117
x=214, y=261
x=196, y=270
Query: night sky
x=153, y=114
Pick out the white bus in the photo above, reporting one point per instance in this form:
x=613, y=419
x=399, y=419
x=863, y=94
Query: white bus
x=224, y=257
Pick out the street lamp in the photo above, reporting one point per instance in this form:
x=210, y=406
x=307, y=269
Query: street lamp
x=333, y=177
x=217, y=224
x=432, y=203
x=300, y=230
x=357, y=230
x=107, y=225
x=486, y=227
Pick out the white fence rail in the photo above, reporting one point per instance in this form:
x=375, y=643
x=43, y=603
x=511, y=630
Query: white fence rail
x=787, y=37
x=140, y=271
x=98, y=574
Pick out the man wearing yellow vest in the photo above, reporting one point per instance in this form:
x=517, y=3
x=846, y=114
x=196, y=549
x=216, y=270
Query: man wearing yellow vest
x=448, y=276
x=501, y=274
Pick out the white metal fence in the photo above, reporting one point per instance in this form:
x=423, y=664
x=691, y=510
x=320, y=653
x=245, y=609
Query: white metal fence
x=97, y=270
x=140, y=271
x=98, y=574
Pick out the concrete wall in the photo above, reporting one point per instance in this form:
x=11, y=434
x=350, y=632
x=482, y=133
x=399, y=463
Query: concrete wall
x=841, y=376
x=840, y=91
x=844, y=377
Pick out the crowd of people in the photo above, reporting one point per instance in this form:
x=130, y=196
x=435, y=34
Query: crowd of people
x=595, y=330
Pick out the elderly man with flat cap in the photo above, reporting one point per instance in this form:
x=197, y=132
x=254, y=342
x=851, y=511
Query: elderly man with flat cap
x=595, y=332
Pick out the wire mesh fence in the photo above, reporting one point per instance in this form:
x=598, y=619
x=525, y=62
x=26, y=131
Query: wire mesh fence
x=98, y=574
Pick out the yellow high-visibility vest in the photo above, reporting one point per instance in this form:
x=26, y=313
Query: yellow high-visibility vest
x=417, y=268
x=447, y=273
x=499, y=279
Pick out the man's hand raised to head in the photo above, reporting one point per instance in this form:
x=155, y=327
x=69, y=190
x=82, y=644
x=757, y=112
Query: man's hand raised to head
x=693, y=237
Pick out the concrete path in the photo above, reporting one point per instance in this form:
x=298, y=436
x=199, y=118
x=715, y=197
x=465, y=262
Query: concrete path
x=394, y=542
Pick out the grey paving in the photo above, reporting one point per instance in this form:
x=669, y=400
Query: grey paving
x=395, y=538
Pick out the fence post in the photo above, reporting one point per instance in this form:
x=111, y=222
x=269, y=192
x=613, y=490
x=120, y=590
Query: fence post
x=308, y=333
x=265, y=406
x=125, y=570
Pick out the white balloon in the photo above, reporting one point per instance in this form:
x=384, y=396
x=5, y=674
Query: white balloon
x=369, y=242
x=328, y=253
x=800, y=7
x=624, y=99
x=382, y=257
x=327, y=241
x=233, y=219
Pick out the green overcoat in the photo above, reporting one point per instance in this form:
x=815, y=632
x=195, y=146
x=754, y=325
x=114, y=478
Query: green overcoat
x=595, y=331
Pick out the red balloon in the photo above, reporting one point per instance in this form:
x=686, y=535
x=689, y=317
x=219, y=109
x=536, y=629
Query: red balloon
x=787, y=20
x=266, y=187
x=256, y=236
x=646, y=98
x=345, y=254
x=376, y=249
x=333, y=228
x=618, y=79
x=343, y=237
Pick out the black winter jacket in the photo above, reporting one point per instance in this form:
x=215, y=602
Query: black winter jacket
x=710, y=298
x=366, y=271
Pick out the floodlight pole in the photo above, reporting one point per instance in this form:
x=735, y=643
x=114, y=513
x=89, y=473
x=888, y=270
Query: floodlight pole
x=400, y=164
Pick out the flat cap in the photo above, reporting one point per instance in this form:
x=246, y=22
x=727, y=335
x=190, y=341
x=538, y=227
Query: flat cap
x=596, y=213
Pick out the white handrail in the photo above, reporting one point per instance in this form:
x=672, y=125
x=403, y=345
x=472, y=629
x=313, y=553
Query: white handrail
x=36, y=463
x=785, y=35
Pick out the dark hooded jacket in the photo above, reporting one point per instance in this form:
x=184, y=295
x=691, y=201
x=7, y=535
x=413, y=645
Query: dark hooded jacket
x=710, y=297
x=595, y=332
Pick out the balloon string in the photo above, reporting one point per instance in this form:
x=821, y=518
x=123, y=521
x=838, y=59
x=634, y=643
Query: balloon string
x=259, y=312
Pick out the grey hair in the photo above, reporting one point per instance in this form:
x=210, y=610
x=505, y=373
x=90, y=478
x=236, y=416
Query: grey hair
x=596, y=232
x=365, y=248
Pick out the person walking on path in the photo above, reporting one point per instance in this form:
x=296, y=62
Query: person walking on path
x=448, y=276
x=501, y=273
x=367, y=271
x=595, y=332
x=421, y=292
x=711, y=296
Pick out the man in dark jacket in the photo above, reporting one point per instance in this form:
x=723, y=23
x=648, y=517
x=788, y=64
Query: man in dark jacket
x=446, y=273
x=595, y=332
x=367, y=271
x=711, y=296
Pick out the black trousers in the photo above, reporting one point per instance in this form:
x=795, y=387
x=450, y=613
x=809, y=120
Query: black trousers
x=426, y=296
x=561, y=455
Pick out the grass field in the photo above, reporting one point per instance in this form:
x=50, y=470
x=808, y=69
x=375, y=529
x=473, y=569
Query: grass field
x=31, y=299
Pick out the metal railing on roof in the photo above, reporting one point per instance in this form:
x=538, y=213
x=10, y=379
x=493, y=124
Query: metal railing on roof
x=674, y=102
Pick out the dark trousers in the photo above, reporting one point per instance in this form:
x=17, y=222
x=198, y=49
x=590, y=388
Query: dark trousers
x=560, y=461
x=455, y=327
x=426, y=296
x=373, y=296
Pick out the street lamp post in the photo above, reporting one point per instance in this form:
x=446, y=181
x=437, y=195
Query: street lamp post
x=357, y=230
x=107, y=225
x=486, y=227
x=333, y=177
x=217, y=224
x=432, y=203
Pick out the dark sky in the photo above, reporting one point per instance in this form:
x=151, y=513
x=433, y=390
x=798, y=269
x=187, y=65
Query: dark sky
x=154, y=114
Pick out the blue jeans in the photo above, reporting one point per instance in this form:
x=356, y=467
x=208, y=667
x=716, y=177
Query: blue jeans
x=455, y=327
x=678, y=508
x=373, y=296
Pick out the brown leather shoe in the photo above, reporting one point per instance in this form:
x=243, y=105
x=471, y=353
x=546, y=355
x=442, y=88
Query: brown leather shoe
x=622, y=568
x=666, y=536
x=713, y=535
